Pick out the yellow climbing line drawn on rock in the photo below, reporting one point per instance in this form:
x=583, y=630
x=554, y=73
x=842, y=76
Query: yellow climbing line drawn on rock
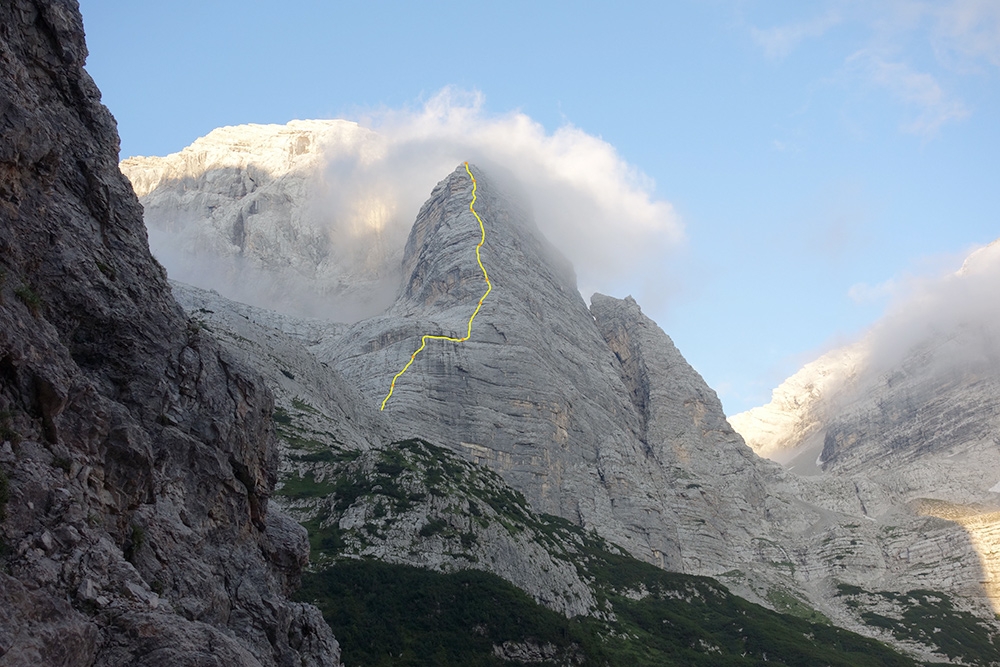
x=489, y=288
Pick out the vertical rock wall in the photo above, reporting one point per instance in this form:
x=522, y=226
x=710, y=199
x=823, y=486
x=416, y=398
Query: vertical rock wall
x=136, y=456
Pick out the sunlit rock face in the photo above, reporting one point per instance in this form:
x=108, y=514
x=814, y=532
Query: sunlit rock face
x=791, y=425
x=248, y=210
x=591, y=412
x=594, y=415
x=906, y=422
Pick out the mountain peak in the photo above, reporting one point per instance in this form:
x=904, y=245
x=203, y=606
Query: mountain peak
x=440, y=268
x=551, y=394
x=268, y=151
x=251, y=211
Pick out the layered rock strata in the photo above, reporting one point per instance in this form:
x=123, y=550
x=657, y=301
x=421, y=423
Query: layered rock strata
x=136, y=456
x=591, y=413
x=250, y=210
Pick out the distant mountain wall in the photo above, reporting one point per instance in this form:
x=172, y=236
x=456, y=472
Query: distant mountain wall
x=252, y=211
x=909, y=416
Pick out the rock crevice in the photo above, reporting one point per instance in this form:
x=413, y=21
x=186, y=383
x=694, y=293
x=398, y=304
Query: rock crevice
x=136, y=455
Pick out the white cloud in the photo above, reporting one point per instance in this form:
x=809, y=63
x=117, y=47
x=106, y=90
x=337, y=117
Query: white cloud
x=970, y=28
x=918, y=90
x=956, y=316
x=863, y=293
x=599, y=210
x=780, y=41
x=327, y=235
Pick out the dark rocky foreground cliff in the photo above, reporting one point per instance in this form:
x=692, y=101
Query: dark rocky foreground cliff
x=136, y=457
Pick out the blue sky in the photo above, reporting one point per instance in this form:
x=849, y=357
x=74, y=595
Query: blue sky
x=816, y=153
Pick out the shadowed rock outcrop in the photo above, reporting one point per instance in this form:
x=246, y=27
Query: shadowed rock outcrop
x=136, y=456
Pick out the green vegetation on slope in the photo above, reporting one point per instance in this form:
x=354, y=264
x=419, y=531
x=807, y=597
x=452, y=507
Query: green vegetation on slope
x=930, y=618
x=386, y=614
x=399, y=615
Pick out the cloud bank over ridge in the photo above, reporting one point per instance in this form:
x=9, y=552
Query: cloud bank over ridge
x=311, y=217
x=599, y=210
x=943, y=328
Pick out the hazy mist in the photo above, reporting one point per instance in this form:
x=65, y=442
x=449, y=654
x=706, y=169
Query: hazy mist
x=353, y=214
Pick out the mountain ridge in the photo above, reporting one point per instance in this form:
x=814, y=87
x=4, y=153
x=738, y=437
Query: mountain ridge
x=594, y=416
x=218, y=211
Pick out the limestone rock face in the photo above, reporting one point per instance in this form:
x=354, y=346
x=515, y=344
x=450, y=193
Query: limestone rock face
x=136, y=456
x=278, y=347
x=591, y=413
x=248, y=210
x=907, y=436
x=410, y=502
x=723, y=498
x=527, y=394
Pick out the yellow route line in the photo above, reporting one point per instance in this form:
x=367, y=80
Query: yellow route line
x=489, y=288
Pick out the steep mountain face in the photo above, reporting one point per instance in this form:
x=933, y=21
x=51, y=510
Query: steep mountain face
x=377, y=508
x=552, y=395
x=911, y=434
x=248, y=210
x=136, y=457
x=591, y=413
